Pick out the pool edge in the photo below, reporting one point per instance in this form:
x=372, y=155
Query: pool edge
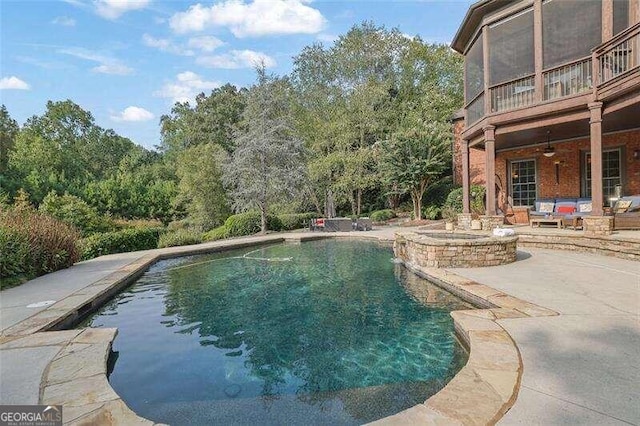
x=482, y=380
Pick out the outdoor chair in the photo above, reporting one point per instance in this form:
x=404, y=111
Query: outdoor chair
x=317, y=224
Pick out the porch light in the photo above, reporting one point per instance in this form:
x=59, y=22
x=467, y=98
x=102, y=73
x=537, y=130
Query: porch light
x=549, y=151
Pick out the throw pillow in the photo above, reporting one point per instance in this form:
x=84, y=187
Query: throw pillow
x=585, y=208
x=566, y=209
x=622, y=206
x=547, y=207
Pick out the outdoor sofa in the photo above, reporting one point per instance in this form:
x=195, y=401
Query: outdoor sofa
x=627, y=217
x=626, y=211
x=572, y=210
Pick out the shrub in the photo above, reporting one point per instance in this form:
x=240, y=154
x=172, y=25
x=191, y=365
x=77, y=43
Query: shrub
x=14, y=247
x=182, y=237
x=454, y=200
x=248, y=223
x=241, y=224
x=34, y=244
x=120, y=241
x=178, y=224
x=296, y=220
x=75, y=211
x=431, y=212
x=137, y=223
x=215, y=234
x=382, y=215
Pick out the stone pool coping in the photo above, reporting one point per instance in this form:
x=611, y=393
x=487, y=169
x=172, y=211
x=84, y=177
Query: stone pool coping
x=481, y=393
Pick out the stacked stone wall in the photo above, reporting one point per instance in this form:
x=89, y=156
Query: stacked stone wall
x=424, y=251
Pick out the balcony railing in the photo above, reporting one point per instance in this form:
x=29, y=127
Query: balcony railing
x=619, y=55
x=512, y=95
x=612, y=59
x=566, y=80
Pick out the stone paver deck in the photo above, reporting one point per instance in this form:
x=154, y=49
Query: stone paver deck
x=580, y=366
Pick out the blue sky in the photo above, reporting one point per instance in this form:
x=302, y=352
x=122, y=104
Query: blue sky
x=128, y=61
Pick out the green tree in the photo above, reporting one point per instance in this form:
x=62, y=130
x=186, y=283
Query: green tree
x=74, y=211
x=8, y=131
x=414, y=158
x=345, y=94
x=267, y=164
x=210, y=121
x=64, y=150
x=200, y=188
x=143, y=186
x=355, y=93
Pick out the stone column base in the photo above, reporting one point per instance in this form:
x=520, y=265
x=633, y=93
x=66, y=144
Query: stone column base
x=597, y=225
x=464, y=221
x=491, y=222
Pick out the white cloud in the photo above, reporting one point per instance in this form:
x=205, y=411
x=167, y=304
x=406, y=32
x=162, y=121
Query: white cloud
x=237, y=59
x=257, y=18
x=106, y=64
x=50, y=65
x=77, y=3
x=186, y=86
x=114, y=69
x=205, y=43
x=65, y=21
x=133, y=114
x=166, y=45
x=113, y=9
x=13, y=83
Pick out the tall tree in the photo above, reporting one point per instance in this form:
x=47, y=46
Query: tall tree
x=8, y=131
x=210, y=121
x=64, y=150
x=354, y=94
x=267, y=164
x=199, y=169
x=414, y=158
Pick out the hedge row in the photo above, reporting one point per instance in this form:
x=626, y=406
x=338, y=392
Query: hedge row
x=120, y=241
x=180, y=237
x=34, y=244
x=248, y=223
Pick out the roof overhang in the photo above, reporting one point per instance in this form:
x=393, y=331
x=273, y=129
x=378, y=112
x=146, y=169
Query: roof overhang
x=472, y=19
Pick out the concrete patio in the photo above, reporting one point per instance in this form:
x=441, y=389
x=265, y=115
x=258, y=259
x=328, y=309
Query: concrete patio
x=581, y=366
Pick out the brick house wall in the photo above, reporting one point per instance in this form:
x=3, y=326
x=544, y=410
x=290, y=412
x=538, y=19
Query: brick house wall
x=476, y=158
x=569, y=154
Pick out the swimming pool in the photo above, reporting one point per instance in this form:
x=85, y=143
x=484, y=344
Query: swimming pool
x=323, y=332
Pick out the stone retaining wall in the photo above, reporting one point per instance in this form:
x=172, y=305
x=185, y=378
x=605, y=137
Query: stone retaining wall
x=597, y=225
x=423, y=250
x=609, y=246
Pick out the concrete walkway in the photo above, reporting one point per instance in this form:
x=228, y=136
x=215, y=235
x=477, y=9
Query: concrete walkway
x=582, y=366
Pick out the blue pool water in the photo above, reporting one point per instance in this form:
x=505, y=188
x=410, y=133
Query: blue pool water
x=324, y=332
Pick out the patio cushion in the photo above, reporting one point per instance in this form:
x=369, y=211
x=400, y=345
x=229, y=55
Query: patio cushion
x=585, y=207
x=635, y=202
x=546, y=207
x=622, y=206
x=566, y=209
x=567, y=206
